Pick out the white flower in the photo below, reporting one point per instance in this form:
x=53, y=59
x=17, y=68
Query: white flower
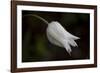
x=58, y=36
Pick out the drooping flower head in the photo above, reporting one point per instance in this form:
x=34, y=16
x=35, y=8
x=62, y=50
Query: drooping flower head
x=57, y=35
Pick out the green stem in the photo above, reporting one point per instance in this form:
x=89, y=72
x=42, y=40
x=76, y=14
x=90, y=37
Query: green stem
x=45, y=21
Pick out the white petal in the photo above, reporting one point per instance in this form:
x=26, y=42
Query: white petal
x=57, y=35
x=72, y=43
x=53, y=40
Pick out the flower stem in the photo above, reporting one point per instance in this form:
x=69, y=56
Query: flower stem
x=45, y=21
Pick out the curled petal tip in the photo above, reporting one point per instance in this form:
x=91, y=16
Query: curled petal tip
x=69, y=53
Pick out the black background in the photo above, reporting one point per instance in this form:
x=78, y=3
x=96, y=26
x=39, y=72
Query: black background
x=35, y=45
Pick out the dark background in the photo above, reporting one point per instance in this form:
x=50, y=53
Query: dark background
x=35, y=45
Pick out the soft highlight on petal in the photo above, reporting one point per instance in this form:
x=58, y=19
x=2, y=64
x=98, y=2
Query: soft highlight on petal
x=57, y=35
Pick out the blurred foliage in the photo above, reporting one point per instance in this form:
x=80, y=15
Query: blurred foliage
x=35, y=45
